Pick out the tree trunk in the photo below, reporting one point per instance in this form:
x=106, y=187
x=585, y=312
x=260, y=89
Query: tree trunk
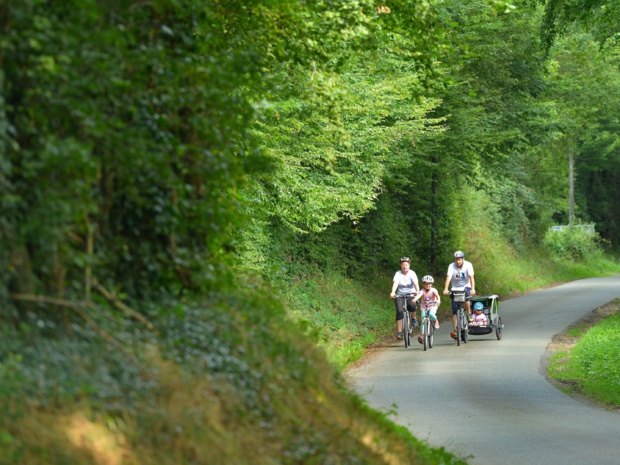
x=434, y=214
x=571, y=184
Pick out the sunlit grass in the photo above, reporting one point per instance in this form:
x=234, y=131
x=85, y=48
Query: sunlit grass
x=592, y=365
x=347, y=315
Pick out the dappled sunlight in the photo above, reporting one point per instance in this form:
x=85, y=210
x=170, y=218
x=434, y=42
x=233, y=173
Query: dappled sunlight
x=106, y=447
x=389, y=458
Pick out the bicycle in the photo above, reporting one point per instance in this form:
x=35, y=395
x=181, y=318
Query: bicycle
x=462, y=325
x=428, y=330
x=407, y=325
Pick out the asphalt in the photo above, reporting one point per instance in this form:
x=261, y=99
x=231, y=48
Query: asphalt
x=488, y=401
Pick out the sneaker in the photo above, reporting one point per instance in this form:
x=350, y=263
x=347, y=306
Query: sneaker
x=436, y=324
x=453, y=335
x=399, y=336
x=410, y=330
x=415, y=323
x=469, y=318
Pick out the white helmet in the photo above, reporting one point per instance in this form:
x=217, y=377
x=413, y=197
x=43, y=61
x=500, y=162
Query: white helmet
x=459, y=254
x=428, y=279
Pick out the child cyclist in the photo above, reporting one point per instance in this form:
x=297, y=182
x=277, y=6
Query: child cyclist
x=430, y=302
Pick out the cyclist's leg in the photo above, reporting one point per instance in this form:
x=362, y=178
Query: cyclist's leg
x=399, y=315
x=455, y=308
x=422, y=315
x=411, y=306
x=468, y=303
x=432, y=313
x=433, y=316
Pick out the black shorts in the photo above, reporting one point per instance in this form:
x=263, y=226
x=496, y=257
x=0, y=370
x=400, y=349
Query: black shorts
x=398, y=302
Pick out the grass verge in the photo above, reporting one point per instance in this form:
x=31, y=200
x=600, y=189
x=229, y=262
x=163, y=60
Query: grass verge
x=584, y=360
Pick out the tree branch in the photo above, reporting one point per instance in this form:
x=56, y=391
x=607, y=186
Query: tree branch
x=116, y=302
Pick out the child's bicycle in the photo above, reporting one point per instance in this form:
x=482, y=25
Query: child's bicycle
x=428, y=330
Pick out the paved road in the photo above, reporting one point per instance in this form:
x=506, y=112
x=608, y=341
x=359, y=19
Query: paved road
x=488, y=400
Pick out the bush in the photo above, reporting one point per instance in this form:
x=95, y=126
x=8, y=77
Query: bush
x=572, y=243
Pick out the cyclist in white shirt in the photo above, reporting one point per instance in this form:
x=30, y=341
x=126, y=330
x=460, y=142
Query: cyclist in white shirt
x=460, y=275
x=405, y=282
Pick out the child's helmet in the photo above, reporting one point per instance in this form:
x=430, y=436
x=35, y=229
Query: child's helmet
x=428, y=279
x=478, y=306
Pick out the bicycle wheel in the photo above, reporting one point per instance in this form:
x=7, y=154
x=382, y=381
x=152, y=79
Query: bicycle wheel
x=406, y=335
x=465, y=330
x=428, y=333
x=459, y=325
x=498, y=328
x=431, y=336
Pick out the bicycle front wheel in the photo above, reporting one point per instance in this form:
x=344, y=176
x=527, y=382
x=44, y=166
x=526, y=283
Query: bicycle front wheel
x=431, y=336
x=406, y=335
x=459, y=326
x=427, y=333
x=465, y=333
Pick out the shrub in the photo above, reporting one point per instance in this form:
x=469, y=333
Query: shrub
x=572, y=243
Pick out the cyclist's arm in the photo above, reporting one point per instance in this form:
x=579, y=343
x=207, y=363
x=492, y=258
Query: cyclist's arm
x=394, y=286
x=445, y=287
x=472, y=281
x=438, y=301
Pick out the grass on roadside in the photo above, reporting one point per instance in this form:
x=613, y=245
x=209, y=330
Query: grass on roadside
x=348, y=316
x=591, y=367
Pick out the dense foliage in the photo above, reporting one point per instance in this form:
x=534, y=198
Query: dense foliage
x=163, y=162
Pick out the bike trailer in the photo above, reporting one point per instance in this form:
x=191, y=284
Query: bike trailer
x=491, y=310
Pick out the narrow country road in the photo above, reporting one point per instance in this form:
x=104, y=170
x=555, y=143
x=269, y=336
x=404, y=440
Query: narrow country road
x=488, y=401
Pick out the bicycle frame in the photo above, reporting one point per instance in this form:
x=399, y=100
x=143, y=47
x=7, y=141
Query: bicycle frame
x=428, y=330
x=406, y=318
x=462, y=326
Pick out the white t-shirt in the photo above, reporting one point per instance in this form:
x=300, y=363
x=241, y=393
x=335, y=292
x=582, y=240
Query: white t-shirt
x=459, y=277
x=407, y=283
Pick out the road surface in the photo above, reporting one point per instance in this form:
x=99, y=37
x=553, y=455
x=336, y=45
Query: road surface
x=488, y=401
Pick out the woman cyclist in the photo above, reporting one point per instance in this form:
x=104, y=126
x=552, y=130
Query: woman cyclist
x=405, y=282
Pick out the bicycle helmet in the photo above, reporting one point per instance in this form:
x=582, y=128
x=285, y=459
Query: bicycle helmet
x=405, y=259
x=428, y=279
x=478, y=306
x=459, y=254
